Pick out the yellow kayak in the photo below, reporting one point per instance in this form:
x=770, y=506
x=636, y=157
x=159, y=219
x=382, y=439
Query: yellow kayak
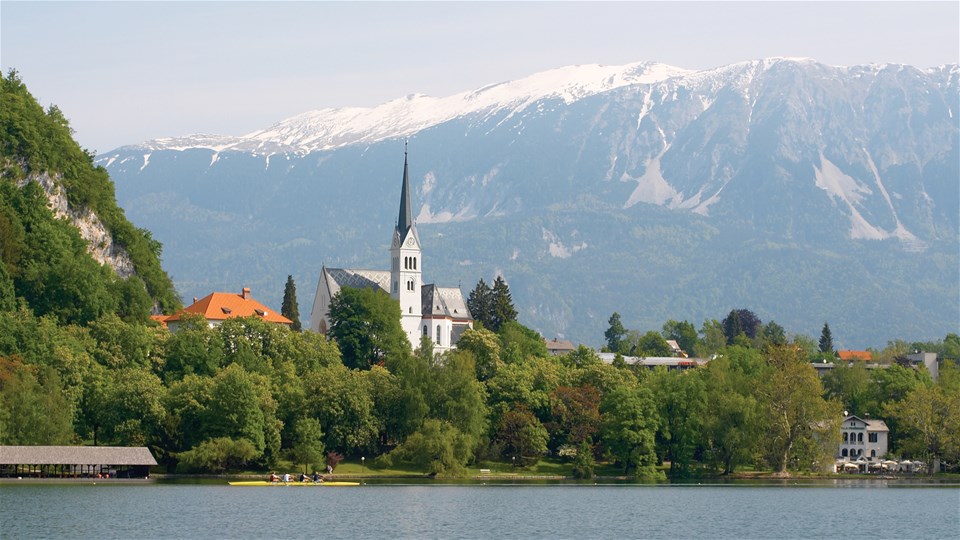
x=305, y=484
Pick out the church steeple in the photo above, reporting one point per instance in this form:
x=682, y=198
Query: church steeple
x=406, y=257
x=405, y=218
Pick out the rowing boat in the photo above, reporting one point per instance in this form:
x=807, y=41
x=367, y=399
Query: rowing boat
x=305, y=484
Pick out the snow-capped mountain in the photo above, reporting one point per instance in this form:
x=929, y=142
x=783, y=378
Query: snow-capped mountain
x=841, y=181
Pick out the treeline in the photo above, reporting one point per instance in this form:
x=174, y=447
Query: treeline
x=248, y=394
x=744, y=328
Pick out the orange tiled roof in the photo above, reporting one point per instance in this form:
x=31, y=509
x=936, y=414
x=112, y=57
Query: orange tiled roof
x=220, y=306
x=848, y=356
x=162, y=319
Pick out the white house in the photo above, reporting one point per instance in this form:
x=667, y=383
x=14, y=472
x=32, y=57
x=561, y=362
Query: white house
x=864, y=438
x=439, y=313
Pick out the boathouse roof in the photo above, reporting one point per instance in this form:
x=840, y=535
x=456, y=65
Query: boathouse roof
x=76, y=455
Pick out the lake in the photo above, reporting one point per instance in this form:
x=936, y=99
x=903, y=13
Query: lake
x=865, y=509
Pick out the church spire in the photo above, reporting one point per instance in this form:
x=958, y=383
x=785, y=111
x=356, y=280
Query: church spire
x=405, y=219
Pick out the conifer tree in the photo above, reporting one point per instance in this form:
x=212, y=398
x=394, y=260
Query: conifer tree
x=503, y=310
x=480, y=304
x=290, y=309
x=615, y=333
x=826, y=339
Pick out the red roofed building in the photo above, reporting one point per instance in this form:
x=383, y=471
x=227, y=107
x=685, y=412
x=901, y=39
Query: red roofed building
x=850, y=356
x=218, y=307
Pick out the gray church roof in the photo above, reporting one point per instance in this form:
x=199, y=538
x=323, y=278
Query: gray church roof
x=76, y=455
x=443, y=302
x=338, y=278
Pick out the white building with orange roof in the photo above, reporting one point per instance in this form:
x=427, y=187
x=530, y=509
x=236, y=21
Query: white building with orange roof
x=219, y=306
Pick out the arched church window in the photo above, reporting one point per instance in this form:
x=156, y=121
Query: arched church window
x=414, y=263
x=424, y=329
x=438, y=334
x=411, y=309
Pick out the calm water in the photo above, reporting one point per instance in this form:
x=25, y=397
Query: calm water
x=478, y=511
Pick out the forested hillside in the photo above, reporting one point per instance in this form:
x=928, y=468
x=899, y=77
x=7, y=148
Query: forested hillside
x=46, y=264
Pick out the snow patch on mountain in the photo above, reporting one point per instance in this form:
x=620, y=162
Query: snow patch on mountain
x=651, y=186
x=444, y=216
x=849, y=192
x=556, y=247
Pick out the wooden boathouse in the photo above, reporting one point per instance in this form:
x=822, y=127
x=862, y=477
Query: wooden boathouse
x=75, y=461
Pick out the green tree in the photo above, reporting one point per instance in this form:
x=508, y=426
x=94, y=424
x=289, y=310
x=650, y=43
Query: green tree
x=455, y=396
x=929, y=421
x=193, y=349
x=583, y=462
x=518, y=343
x=436, y=448
x=629, y=427
x=485, y=347
x=740, y=321
x=236, y=407
x=218, y=455
x=802, y=427
x=681, y=403
x=615, y=333
x=521, y=436
x=735, y=419
x=683, y=332
x=341, y=400
x=289, y=308
x=133, y=407
x=366, y=326
x=33, y=409
x=580, y=357
x=713, y=340
x=503, y=310
x=480, y=304
x=308, y=443
x=853, y=387
x=774, y=334
x=826, y=339
x=651, y=344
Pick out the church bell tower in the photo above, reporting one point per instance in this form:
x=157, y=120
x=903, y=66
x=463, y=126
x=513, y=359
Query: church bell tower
x=405, y=269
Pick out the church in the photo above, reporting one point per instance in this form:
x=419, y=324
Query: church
x=439, y=313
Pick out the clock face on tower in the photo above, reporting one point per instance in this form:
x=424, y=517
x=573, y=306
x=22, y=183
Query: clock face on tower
x=410, y=241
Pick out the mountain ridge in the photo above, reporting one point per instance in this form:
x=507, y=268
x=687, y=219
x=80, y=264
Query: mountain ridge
x=840, y=163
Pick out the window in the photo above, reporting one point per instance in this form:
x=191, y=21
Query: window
x=424, y=329
x=844, y=452
x=844, y=436
x=873, y=453
x=872, y=437
x=438, y=334
x=859, y=435
x=411, y=309
x=414, y=263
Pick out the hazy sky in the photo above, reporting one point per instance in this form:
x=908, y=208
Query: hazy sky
x=126, y=72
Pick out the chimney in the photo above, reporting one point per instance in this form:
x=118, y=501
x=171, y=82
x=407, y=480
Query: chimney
x=246, y=293
x=194, y=299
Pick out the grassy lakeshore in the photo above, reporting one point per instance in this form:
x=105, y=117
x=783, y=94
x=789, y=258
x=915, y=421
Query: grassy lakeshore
x=552, y=470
